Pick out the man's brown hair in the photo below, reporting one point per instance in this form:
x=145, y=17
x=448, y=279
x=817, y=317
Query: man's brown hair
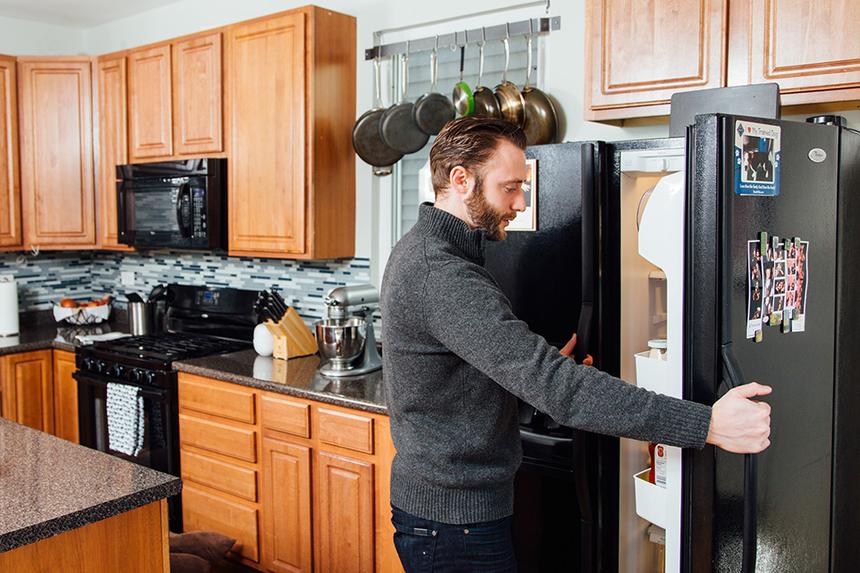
x=469, y=142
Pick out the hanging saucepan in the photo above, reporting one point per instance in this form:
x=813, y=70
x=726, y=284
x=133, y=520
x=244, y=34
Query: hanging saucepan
x=433, y=110
x=486, y=104
x=366, y=139
x=511, y=102
x=464, y=100
x=397, y=127
x=541, y=121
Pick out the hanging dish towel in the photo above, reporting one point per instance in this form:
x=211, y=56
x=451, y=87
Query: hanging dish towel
x=125, y=419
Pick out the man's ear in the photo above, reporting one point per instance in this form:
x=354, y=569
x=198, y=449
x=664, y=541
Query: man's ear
x=459, y=180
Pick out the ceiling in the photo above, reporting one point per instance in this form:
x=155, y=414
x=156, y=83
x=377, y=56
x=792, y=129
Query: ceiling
x=76, y=13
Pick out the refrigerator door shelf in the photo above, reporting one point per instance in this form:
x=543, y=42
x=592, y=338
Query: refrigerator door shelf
x=651, y=501
x=651, y=373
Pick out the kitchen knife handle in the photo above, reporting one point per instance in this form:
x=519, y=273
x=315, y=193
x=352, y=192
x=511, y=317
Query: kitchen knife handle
x=735, y=378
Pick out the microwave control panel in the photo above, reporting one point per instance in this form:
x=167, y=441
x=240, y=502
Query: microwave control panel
x=198, y=199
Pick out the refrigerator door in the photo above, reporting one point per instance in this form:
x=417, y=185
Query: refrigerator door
x=793, y=501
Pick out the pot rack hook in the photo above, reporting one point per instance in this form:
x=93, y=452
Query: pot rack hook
x=547, y=6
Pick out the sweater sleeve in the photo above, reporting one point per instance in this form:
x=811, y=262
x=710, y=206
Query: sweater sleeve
x=469, y=315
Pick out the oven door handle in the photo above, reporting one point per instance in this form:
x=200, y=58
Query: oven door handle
x=99, y=380
x=183, y=197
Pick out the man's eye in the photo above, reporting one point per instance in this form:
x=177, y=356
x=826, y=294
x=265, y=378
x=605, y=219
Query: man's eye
x=511, y=189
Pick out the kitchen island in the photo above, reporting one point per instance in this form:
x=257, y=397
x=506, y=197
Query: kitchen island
x=70, y=508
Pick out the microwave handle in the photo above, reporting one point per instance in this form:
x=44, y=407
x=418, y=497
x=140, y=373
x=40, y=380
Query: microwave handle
x=121, y=227
x=184, y=193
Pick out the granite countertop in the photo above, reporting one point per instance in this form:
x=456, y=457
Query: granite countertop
x=296, y=377
x=39, y=331
x=49, y=485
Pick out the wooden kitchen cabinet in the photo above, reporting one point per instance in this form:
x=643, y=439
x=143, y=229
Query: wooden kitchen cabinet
x=10, y=190
x=27, y=388
x=55, y=121
x=345, y=518
x=287, y=506
x=812, y=49
x=639, y=54
x=65, y=396
x=150, y=108
x=323, y=472
x=290, y=93
x=197, y=89
x=112, y=112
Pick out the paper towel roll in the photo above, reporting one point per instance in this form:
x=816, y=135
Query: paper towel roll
x=8, y=305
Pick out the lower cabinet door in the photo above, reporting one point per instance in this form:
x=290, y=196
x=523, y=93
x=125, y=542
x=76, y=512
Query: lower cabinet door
x=65, y=397
x=286, y=507
x=344, y=496
x=205, y=511
x=28, y=393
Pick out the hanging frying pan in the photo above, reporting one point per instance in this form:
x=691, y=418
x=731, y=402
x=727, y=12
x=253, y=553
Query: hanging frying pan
x=540, y=120
x=511, y=102
x=486, y=104
x=366, y=139
x=464, y=101
x=432, y=110
x=396, y=126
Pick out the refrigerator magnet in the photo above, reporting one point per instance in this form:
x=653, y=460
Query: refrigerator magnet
x=754, y=289
x=798, y=324
x=757, y=155
x=527, y=220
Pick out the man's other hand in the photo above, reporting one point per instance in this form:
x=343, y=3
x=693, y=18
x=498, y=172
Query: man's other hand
x=567, y=350
x=739, y=424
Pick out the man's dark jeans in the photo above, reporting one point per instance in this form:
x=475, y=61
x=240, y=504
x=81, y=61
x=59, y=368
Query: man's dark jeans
x=426, y=546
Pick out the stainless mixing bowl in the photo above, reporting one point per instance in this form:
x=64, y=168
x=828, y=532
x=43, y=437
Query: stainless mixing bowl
x=340, y=341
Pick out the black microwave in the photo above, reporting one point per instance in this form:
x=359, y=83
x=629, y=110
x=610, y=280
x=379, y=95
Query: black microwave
x=173, y=204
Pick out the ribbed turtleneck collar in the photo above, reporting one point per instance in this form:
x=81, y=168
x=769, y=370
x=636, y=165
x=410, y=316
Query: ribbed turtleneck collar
x=452, y=229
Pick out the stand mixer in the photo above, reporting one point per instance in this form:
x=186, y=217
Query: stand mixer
x=345, y=337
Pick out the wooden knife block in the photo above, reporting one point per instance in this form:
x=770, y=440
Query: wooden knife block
x=292, y=338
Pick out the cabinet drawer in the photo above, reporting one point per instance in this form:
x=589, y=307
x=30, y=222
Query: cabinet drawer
x=346, y=430
x=205, y=511
x=235, y=480
x=217, y=398
x=216, y=437
x=286, y=415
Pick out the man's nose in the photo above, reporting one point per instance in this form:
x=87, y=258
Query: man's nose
x=519, y=201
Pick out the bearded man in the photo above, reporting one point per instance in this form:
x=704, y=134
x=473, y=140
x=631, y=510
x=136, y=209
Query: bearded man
x=456, y=359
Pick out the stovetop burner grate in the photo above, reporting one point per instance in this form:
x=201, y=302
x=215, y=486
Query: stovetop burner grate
x=169, y=346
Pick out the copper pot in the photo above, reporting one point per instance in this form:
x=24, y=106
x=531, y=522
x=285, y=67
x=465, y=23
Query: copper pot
x=511, y=103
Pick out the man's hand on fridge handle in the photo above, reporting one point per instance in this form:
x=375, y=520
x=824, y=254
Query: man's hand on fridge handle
x=738, y=423
x=567, y=350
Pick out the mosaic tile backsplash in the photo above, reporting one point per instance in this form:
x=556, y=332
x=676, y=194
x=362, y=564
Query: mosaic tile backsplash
x=47, y=277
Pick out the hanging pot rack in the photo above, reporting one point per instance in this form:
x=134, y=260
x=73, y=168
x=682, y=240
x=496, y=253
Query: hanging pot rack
x=533, y=26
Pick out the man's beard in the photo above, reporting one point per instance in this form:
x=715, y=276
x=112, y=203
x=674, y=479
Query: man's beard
x=484, y=216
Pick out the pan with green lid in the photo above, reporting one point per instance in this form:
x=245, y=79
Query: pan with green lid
x=464, y=100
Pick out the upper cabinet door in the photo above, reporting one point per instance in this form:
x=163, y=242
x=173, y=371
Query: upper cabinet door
x=150, y=109
x=802, y=45
x=640, y=53
x=10, y=191
x=197, y=95
x=113, y=144
x=266, y=117
x=55, y=106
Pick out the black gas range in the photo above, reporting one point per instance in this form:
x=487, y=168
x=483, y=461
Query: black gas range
x=127, y=388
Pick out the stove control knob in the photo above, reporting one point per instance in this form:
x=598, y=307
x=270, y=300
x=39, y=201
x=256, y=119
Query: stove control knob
x=101, y=366
x=149, y=377
x=87, y=363
x=136, y=375
x=117, y=371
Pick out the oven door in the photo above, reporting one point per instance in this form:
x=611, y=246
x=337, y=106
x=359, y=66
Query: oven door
x=158, y=212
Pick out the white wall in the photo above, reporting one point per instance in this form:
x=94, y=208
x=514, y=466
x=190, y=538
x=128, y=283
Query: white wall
x=27, y=38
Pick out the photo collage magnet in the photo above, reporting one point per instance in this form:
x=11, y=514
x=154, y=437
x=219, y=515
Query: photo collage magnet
x=778, y=282
x=757, y=157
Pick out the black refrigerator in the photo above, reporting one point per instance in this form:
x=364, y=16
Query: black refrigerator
x=794, y=507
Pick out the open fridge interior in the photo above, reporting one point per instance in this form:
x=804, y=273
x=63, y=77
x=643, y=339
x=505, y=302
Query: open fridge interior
x=650, y=223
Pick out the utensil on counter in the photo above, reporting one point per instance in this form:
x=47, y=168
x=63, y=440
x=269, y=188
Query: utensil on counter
x=158, y=292
x=486, y=104
x=540, y=119
x=366, y=137
x=397, y=126
x=433, y=110
x=133, y=297
x=464, y=100
x=511, y=103
x=9, y=325
x=139, y=317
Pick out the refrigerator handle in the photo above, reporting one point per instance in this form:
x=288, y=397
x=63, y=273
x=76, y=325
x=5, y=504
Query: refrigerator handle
x=589, y=258
x=735, y=378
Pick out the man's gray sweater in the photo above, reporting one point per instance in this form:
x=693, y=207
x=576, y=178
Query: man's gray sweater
x=455, y=361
